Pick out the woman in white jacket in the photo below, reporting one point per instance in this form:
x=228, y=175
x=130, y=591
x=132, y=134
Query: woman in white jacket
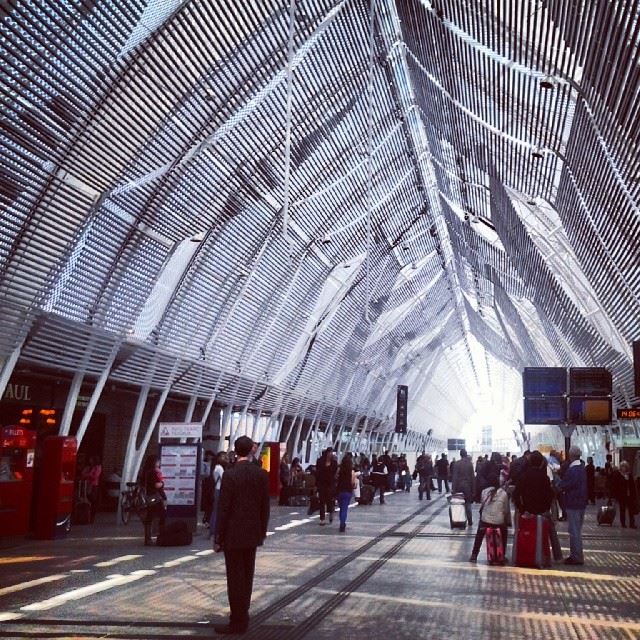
x=494, y=512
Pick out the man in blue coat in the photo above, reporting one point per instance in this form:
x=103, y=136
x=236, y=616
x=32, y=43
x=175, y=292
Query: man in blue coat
x=574, y=489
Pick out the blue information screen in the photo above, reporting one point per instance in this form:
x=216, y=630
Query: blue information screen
x=544, y=381
x=549, y=410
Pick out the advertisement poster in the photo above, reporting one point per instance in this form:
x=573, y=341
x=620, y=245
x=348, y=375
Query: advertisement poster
x=179, y=467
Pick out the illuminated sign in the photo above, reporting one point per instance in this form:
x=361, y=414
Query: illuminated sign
x=628, y=414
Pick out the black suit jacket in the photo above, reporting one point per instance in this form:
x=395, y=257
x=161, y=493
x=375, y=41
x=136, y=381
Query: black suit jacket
x=244, y=507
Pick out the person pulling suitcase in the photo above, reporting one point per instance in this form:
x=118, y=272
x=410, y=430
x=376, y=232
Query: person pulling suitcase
x=495, y=516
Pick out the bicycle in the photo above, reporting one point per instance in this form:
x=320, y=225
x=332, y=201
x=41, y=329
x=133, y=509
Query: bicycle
x=133, y=499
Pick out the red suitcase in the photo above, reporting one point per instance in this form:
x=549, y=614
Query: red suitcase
x=531, y=542
x=495, y=552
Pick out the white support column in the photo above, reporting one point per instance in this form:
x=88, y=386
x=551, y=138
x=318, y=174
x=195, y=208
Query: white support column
x=212, y=399
x=97, y=392
x=336, y=442
x=188, y=415
x=70, y=405
x=294, y=421
x=127, y=470
x=296, y=440
x=242, y=424
x=154, y=419
x=312, y=427
x=363, y=433
x=353, y=433
x=8, y=365
x=225, y=426
x=191, y=407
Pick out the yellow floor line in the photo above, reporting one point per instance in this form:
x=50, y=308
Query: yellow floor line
x=523, y=615
x=463, y=565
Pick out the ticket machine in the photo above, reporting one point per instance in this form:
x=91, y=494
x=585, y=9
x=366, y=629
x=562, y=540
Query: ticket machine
x=55, y=488
x=17, y=449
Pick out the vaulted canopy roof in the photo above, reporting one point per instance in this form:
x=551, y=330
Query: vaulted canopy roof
x=303, y=204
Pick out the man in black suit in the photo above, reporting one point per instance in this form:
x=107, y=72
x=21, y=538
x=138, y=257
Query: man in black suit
x=242, y=526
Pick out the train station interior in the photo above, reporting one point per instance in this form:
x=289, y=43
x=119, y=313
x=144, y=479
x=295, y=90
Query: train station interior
x=397, y=227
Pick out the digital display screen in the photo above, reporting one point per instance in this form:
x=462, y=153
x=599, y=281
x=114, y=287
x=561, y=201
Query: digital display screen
x=455, y=444
x=589, y=410
x=589, y=381
x=548, y=410
x=544, y=381
x=628, y=414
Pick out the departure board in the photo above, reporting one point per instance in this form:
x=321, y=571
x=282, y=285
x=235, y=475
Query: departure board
x=544, y=381
x=589, y=381
x=550, y=410
x=589, y=410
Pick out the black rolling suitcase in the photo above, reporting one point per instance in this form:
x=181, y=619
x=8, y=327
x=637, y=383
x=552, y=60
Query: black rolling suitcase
x=175, y=534
x=607, y=514
x=81, y=513
x=314, y=504
x=366, y=494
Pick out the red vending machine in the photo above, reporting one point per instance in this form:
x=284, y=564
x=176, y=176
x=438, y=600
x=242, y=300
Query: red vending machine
x=55, y=488
x=17, y=449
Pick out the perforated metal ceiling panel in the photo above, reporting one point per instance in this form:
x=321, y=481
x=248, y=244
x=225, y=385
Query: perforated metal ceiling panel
x=181, y=180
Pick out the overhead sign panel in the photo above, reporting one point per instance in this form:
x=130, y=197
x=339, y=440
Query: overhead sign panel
x=589, y=381
x=589, y=410
x=401, y=408
x=544, y=381
x=549, y=410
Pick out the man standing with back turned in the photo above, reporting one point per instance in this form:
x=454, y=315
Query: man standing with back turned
x=574, y=488
x=242, y=526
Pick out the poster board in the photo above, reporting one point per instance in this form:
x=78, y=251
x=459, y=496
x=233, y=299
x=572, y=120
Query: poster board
x=179, y=464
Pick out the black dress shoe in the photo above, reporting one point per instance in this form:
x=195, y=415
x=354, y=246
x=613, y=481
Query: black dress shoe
x=228, y=629
x=571, y=561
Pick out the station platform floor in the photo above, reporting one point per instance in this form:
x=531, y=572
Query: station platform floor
x=398, y=572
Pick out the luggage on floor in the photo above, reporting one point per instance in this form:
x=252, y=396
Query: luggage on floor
x=606, y=514
x=175, y=534
x=457, y=511
x=81, y=513
x=314, y=504
x=531, y=542
x=366, y=494
x=298, y=500
x=495, y=551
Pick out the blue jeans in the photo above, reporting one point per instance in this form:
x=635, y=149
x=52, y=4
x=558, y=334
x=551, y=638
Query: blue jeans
x=344, y=498
x=575, y=518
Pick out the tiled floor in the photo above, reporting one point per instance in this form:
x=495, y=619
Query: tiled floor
x=398, y=572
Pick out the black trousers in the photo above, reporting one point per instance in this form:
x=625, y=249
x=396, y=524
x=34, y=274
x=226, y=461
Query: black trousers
x=424, y=487
x=240, y=565
x=327, y=501
x=626, y=505
x=157, y=511
x=379, y=484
